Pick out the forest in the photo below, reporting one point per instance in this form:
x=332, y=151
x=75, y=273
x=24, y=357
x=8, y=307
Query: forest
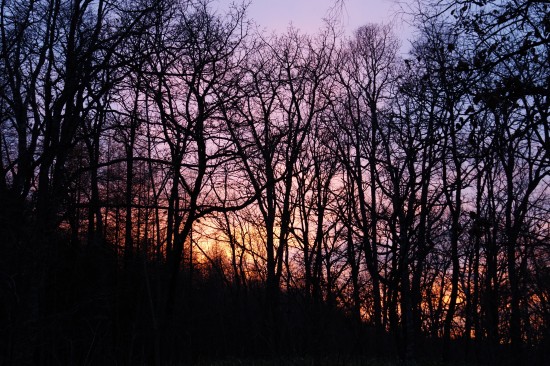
x=179, y=188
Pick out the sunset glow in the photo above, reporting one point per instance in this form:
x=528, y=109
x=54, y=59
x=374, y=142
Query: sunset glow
x=297, y=182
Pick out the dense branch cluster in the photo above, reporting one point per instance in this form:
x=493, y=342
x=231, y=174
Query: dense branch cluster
x=171, y=179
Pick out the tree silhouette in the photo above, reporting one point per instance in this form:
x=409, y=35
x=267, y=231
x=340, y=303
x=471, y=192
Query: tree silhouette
x=179, y=188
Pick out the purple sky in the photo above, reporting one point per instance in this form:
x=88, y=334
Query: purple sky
x=307, y=15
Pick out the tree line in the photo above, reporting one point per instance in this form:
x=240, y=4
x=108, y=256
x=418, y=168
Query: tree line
x=176, y=186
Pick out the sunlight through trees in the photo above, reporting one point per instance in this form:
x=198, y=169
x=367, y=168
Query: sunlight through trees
x=177, y=188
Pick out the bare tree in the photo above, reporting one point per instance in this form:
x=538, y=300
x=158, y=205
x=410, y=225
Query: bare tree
x=368, y=71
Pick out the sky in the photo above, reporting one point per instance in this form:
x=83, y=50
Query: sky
x=307, y=15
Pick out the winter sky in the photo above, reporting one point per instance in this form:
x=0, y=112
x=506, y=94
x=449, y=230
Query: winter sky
x=308, y=15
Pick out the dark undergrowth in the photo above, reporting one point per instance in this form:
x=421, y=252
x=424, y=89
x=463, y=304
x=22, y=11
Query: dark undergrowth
x=71, y=305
